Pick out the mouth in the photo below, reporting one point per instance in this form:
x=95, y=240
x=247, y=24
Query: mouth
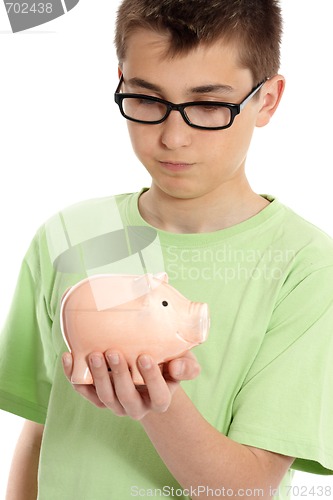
x=176, y=166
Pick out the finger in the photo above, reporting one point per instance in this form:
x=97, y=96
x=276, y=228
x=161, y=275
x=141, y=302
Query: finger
x=159, y=393
x=89, y=392
x=124, y=387
x=67, y=363
x=86, y=391
x=103, y=384
x=183, y=369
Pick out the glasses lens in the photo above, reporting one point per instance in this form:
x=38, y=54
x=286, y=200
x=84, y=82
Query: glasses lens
x=208, y=115
x=142, y=109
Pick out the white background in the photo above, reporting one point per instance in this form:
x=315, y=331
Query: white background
x=63, y=140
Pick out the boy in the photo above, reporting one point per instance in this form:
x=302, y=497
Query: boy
x=262, y=402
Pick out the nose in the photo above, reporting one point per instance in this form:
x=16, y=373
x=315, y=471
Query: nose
x=175, y=131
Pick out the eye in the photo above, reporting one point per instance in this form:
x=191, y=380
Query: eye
x=165, y=303
x=146, y=102
x=209, y=108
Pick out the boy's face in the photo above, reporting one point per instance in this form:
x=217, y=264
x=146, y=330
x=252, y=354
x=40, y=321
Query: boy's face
x=185, y=162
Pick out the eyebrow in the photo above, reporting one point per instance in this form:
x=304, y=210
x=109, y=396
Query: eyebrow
x=202, y=89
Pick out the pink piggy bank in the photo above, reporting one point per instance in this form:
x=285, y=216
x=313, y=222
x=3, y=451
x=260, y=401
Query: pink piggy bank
x=132, y=313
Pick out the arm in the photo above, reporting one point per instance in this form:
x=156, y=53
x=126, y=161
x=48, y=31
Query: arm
x=22, y=482
x=195, y=452
x=203, y=459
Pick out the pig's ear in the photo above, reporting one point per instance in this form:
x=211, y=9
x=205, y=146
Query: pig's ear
x=162, y=277
x=142, y=285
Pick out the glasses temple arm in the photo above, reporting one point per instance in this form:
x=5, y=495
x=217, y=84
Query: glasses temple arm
x=253, y=93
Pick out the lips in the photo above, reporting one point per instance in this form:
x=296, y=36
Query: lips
x=176, y=166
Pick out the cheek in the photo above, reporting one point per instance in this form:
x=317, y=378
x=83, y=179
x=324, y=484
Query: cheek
x=225, y=151
x=218, y=147
x=239, y=138
x=142, y=139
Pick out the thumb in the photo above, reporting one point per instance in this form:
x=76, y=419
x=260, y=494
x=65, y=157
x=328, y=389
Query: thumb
x=184, y=368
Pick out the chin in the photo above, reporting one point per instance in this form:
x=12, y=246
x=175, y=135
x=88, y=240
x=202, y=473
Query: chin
x=181, y=192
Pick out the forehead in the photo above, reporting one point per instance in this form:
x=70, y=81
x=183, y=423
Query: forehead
x=148, y=57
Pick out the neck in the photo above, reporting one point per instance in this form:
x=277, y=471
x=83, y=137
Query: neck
x=212, y=212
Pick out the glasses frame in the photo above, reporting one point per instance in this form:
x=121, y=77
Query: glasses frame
x=235, y=109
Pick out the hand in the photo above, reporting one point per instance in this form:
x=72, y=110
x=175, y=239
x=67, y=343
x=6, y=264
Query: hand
x=116, y=391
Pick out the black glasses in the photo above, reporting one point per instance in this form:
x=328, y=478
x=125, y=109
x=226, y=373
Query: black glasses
x=205, y=115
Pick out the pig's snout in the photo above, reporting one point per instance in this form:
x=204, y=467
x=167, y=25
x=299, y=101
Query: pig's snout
x=204, y=322
x=201, y=322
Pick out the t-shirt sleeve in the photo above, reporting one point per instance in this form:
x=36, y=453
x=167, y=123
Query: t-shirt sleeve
x=27, y=356
x=286, y=402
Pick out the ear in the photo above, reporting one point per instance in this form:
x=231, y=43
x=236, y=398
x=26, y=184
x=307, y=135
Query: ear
x=271, y=94
x=162, y=276
x=142, y=285
x=120, y=72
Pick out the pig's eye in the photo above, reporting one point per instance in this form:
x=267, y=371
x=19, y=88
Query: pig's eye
x=165, y=303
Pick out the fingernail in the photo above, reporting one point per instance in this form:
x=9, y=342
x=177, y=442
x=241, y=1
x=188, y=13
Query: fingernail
x=96, y=361
x=66, y=359
x=145, y=361
x=178, y=367
x=113, y=358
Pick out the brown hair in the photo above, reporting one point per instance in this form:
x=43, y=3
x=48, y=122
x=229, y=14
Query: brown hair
x=255, y=25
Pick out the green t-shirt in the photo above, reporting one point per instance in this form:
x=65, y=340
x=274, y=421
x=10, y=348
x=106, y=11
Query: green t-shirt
x=266, y=380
